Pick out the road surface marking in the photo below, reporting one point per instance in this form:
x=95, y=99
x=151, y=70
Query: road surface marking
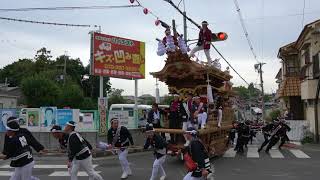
x=5, y=173
x=252, y=152
x=299, y=154
x=230, y=153
x=44, y=166
x=275, y=153
x=66, y=173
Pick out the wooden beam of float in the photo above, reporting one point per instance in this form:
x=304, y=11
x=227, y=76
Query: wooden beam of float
x=201, y=132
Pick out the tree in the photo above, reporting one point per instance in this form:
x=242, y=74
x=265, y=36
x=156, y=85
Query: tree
x=43, y=60
x=242, y=91
x=267, y=98
x=115, y=97
x=80, y=86
x=71, y=96
x=74, y=68
x=90, y=84
x=14, y=72
x=246, y=93
x=167, y=100
x=40, y=91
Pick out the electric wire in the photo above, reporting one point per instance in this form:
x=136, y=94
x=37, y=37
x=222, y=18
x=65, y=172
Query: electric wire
x=67, y=8
x=229, y=64
x=245, y=30
x=303, y=9
x=139, y=4
x=45, y=22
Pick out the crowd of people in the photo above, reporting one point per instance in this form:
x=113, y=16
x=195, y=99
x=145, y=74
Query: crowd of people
x=19, y=141
x=190, y=112
x=273, y=132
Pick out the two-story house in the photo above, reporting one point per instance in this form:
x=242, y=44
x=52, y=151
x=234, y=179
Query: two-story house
x=288, y=78
x=308, y=45
x=299, y=74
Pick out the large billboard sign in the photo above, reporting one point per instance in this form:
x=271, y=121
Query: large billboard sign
x=117, y=57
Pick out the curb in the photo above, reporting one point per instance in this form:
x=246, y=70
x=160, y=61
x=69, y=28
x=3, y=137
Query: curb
x=100, y=153
x=95, y=153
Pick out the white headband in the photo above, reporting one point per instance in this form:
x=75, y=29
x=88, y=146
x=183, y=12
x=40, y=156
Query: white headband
x=12, y=120
x=54, y=130
x=71, y=124
x=191, y=132
x=10, y=129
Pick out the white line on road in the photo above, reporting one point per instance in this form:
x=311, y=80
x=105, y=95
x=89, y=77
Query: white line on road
x=5, y=173
x=299, y=154
x=230, y=153
x=45, y=166
x=252, y=152
x=275, y=153
x=66, y=173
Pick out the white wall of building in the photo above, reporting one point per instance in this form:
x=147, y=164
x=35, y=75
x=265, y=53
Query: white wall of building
x=8, y=102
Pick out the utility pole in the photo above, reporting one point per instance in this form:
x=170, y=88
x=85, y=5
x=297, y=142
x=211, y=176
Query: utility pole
x=65, y=67
x=258, y=67
x=100, y=77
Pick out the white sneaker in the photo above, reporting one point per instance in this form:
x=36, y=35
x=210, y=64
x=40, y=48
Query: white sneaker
x=129, y=172
x=162, y=177
x=124, y=175
x=210, y=176
x=187, y=143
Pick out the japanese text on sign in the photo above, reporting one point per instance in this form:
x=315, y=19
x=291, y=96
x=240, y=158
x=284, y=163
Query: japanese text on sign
x=117, y=57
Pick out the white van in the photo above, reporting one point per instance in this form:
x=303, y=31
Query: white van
x=125, y=112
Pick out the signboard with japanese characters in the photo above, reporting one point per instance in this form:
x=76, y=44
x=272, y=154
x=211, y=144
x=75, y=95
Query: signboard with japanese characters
x=117, y=57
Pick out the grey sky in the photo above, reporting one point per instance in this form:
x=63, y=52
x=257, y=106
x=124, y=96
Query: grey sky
x=281, y=24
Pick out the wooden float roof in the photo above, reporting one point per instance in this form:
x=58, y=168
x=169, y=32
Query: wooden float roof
x=179, y=71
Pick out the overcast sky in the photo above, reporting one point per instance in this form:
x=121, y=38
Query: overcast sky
x=270, y=23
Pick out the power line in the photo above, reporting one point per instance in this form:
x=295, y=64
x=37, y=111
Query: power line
x=262, y=31
x=67, y=8
x=47, y=23
x=139, y=4
x=245, y=29
x=303, y=9
x=229, y=64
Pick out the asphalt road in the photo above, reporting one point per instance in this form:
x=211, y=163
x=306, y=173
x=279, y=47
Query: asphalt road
x=280, y=165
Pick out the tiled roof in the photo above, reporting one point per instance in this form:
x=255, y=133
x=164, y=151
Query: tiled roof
x=290, y=86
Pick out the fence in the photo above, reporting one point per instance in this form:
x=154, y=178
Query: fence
x=297, y=129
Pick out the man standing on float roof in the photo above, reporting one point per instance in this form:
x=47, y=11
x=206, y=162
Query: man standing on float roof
x=204, y=42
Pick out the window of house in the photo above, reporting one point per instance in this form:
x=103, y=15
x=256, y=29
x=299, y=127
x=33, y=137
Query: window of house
x=315, y=60
x=307, y=56
x=1, y=105
x=292, y=66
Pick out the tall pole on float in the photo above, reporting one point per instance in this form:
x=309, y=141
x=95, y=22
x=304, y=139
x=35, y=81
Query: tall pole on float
x=157, y=92
x=184, y=22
